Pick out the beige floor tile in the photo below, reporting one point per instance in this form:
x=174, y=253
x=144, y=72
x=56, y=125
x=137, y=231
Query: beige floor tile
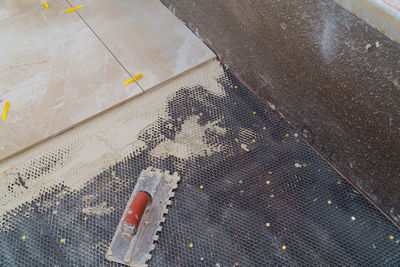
x=10, y=8
x=55, y=73
x=145, y=36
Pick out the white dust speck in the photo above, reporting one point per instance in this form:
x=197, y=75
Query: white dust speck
x=100, y=209
x=245, y=147
x=329, y=40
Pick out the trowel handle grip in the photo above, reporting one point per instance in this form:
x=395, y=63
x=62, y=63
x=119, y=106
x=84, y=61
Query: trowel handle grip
x=137, y=208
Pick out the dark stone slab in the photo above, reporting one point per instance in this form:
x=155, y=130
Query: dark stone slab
x=309, y=60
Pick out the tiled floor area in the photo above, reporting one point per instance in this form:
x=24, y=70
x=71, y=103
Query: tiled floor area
x=59, y=68
x=145, y=36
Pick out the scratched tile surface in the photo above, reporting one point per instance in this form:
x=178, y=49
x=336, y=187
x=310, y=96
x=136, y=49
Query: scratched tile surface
x=145, y=36
x=55, y=73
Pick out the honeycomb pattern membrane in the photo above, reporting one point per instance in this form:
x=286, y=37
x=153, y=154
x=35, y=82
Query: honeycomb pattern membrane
x=251, y=192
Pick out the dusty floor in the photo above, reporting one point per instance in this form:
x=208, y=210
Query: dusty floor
x=309, y=60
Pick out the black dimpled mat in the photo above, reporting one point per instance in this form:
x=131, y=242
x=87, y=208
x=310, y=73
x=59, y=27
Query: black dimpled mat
x=264, y=198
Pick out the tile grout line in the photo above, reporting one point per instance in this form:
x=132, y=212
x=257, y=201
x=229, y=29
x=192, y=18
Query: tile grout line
x=109, y=50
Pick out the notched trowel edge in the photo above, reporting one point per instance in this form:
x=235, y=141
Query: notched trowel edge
x=136, y=250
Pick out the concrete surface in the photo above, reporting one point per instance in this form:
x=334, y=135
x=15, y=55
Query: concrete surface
x=333, y=77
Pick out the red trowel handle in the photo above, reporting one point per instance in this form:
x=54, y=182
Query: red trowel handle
x=136, y=209
x=134, y=214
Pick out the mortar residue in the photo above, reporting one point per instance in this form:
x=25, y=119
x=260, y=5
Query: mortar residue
x=190, y=141
x=100, y=209
x=96, y=145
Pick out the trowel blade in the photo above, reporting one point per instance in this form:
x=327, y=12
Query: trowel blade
x=136, y=251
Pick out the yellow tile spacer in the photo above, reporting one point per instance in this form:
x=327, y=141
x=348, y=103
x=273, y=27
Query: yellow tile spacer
x=5, y=110
x=69, y=10
x=46, y=5
x=129, y=81
x=137, y=76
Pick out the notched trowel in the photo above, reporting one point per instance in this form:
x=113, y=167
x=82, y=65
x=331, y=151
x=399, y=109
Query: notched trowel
x=139, y=226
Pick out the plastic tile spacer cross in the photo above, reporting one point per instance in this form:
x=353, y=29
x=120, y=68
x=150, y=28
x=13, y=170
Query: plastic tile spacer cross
x=69, y=10
x=5, y=110
x=138, y=76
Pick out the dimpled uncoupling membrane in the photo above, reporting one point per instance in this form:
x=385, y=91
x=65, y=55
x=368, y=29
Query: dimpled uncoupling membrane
x=251, y=192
